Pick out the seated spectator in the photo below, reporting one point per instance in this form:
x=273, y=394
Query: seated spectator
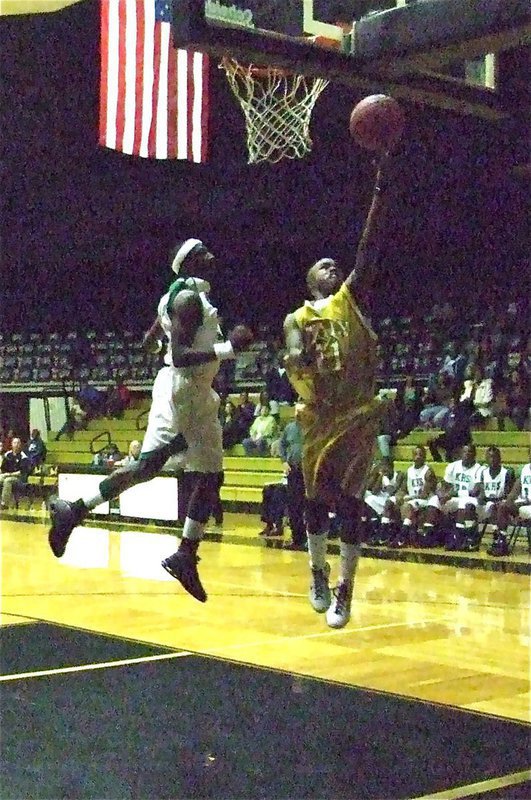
x=233, y=430
x=277, y=384
x=36, y=449
x=516, y=507
x=112, y=455
x=437, y=403
x=262, y=433
x=264, y=399
x=132, y=454
x=515, y=401
x=8, y=439
x=408, y=405
x=107, y=456
x=15, y=469
x=478, y=390
x=457, y=431
x=454, y=363
x=246, y=409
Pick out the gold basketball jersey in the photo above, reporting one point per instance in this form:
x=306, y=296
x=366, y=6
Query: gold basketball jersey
x=340, y=347
x=337, y=410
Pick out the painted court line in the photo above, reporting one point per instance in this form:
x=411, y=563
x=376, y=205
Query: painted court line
x=99, y=665
x=478, y=788
x=320, y=634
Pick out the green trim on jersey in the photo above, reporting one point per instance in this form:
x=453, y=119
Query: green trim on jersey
x=177, y=286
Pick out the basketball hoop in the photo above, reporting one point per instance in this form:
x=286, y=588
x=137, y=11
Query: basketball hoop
x=277, y=106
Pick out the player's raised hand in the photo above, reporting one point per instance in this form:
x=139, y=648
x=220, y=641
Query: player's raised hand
x=240, y=337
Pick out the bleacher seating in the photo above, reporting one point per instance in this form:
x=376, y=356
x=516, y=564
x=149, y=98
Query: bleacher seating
x=246, y=476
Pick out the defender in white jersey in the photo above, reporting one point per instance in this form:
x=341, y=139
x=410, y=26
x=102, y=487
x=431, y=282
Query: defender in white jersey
x=516, y=507
x=183, y=417
x=419, y=504
x=459, y=496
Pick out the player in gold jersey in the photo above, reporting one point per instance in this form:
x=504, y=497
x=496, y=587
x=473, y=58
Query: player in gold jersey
x=331, y=362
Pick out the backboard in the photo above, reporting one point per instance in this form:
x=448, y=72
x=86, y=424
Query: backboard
x=434, y=52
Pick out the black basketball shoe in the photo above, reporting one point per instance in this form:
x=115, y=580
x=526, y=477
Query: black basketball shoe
x=65, y=516
x=182, y=566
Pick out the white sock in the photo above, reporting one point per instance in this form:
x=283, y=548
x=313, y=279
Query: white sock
x=348, y=561
x=317, y=547
x=193, y=529
x=94, y=501
x=385, y=520
x=407, y=522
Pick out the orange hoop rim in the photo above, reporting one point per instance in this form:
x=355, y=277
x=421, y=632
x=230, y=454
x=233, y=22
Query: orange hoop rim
x=257, y=70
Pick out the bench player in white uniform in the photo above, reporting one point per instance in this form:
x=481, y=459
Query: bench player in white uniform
x=460, y=479
x=380, y=496
x=183, y=418
x=494, y=485
x=517, y=506
x=419, y=503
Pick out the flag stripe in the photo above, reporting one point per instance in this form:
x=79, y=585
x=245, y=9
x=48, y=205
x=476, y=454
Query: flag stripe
x=104, y=71
x=204, y=107
x=130, y=79
x=139, y=80
x=112, y=77
x=121, y=66
x=153, y=98
x=149, y=78
x=182, y=106
x=190, y=103
x=171, y=119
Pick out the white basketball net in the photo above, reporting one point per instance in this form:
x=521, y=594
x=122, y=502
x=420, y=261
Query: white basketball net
x=277, y=108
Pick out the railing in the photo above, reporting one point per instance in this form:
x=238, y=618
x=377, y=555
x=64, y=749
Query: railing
x=141, y=420
x=99, y=436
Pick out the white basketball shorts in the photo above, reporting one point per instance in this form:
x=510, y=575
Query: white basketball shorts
x=182, y=405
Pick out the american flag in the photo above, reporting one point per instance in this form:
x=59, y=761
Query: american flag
x=153, y=98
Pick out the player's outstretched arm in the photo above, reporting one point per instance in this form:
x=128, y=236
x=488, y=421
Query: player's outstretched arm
x=186, y=317
x=296, y=358
x=152, y=341
x=362, y=276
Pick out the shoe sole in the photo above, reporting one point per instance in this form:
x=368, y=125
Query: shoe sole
x=338, y=624
x=202, y=598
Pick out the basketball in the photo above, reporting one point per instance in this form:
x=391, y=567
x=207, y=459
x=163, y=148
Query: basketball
x=377, y=123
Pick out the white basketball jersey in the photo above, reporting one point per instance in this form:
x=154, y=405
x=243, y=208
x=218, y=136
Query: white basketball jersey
x=494, y=487
x=416, y=477
x=462, y=478
x=205, y=338
x=525, y=481
x=389, y=484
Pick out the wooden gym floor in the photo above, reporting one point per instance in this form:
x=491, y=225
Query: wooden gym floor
x=116, y=684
